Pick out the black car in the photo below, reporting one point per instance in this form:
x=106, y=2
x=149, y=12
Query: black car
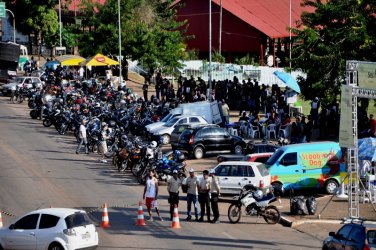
x=179, y=129
x=207, y=139
x=352, y=236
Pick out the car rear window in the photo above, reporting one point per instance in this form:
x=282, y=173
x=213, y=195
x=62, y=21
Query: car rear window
x=48, y=221
x=263, y=170
x=371, y=238
x=76, y=220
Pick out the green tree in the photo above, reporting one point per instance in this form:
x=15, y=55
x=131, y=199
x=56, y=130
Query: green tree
x=149, y=32
x=338, y=30
x=36, y=17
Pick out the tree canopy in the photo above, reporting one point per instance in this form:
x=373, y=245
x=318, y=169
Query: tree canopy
x=338, y=30
x=149, y=32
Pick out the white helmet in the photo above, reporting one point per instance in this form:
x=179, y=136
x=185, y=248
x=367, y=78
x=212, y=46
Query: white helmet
x=153, y=144
x=258, y=194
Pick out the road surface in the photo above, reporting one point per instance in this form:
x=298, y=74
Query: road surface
x=39, y=168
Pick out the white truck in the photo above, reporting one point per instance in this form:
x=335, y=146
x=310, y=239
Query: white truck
x=211, y=111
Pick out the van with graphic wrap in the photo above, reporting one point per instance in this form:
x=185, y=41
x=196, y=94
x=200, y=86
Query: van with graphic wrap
x=307, y=165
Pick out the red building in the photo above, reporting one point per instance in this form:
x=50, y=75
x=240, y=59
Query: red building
x=248, y=26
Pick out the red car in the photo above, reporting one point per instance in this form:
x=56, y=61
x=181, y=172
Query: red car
x=257, y=157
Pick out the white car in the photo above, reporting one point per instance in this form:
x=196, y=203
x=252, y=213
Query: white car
x=164, y=132
x=20, y=81
x=51, y=228
x=233, y=175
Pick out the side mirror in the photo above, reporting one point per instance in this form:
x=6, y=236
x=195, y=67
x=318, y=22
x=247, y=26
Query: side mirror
x=11, y=227
x=333, y=234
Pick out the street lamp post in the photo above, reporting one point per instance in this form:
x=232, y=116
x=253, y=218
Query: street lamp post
x=210, y=51
x=14, y=25
x=61, y=44
x=290, y=37
x=120, y=71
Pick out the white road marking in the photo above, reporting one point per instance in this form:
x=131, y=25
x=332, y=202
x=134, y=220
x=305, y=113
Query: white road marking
x=229, y=236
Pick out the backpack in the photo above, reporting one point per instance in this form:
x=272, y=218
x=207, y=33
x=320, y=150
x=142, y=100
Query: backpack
x=298, y=206
x=311, y=205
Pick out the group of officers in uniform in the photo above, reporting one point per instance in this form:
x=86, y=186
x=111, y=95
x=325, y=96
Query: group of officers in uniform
x=204, y=191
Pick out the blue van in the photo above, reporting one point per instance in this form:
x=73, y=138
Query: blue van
x=307, y=165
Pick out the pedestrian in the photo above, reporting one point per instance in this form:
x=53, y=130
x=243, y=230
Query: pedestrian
x=226, y=111
x=151, y=194
x=215, y=192
x=102, y=144
x=173, y=185
x=204, y=196
x=145, y=90
x=192, y=184
x=83, y=137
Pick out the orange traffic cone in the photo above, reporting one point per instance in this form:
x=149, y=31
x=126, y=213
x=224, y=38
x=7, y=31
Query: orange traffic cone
x=175, y=218
x=105, y=220
x=140, y=215
x=1, y=220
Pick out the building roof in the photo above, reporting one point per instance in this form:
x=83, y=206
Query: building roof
x=271, y=17
x=75, y=5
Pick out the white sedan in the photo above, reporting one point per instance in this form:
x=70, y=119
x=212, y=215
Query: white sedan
x=20, y=81
x=50, y=228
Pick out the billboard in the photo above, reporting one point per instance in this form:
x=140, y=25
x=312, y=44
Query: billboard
x=366, y=75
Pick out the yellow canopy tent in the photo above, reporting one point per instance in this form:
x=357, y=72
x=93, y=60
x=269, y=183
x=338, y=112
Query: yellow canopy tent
x=99, y=60
x=70, y=60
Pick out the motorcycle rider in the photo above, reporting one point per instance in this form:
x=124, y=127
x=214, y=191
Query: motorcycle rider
x=215, y=192
x=173, y=185
x=83, y=138
x=203, y=196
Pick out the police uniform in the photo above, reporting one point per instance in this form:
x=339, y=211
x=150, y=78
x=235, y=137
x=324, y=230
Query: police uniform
x=173, y=186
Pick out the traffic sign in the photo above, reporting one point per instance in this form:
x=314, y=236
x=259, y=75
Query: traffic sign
x=2, y=9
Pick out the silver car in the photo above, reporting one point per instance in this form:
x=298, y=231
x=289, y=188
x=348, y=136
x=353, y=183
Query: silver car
x=164, y=131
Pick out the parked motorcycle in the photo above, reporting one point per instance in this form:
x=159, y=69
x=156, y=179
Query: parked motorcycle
x=256, y=204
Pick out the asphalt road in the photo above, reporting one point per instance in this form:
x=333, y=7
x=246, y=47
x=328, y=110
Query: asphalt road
x=39, y=168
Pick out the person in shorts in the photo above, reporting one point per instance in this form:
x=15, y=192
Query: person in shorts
x=151, y=194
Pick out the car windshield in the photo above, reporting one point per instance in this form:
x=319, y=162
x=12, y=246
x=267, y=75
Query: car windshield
x=171, y=122
x=166, y=118
x=274, y=157
x=19, y=80
x=77, y=220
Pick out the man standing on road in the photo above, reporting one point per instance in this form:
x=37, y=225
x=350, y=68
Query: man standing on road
x=215, y=191
x=151, y=194
x=83, y=138
x=192, y=184
x=203, y=196
x=173, y=185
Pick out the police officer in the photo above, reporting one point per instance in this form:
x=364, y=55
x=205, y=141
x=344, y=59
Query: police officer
x=173, y=185
x=215, y=192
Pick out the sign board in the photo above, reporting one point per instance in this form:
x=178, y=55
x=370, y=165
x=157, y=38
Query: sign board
x=253, y=74
x=346, y=137
x=366, y=75
x=2, y=10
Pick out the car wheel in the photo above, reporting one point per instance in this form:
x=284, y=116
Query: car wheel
x=198, y=152
x=55, y=246
x=331, y=186
x=165, y=139
x=238, y=149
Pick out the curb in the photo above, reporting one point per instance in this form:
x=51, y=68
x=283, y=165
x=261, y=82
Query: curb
x=285, y=221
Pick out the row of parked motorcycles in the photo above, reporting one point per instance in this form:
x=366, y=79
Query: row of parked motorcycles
x=126, y=119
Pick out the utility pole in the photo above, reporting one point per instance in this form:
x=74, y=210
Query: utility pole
x=220, y=28
x=290, y=37
x=120, y=66
x=60, y=24
x=210, y=51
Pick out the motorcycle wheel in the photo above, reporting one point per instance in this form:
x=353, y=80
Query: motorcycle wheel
x=142, y=178
x=234, y=213
x=30, y=104
x=47, y=122
x=20, y=99
x=76, y=134
x=271, y=215
x=94, y=148
x=110, y=151
x=136, y=168
x=33, y=114
x=115, y=160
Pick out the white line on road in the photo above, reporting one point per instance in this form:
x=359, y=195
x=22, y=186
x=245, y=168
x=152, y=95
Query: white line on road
x=229, y=236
